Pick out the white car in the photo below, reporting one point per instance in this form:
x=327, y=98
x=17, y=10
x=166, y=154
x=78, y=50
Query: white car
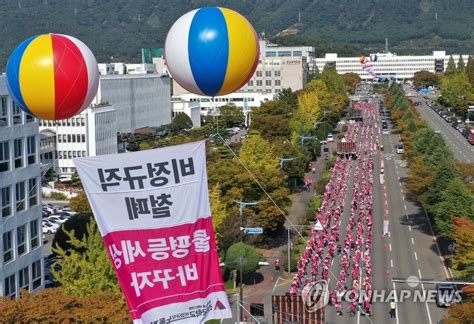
x=385, y=131
x=400, y=150
x=330, y=138
x=57, y=219
x=49, y=227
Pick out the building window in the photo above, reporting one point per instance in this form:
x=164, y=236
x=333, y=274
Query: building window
x=270, y=54
x=64, y=138
x=297, y=53
x=250, y=84
x=268, y=73
x=3, y=111
x=59, y=139
x=7, y=247
x=83, y=138
x=259, y=73
x=60, y=154
x=69, y=138
x=74, y=154
x=6, y=202
x=277, y=73
x=284, y=53
x=29, y=118
x=34, y=237
x=277, y=82
x=83, y=122
x=73, y=121
x=18, y=152
x=259, y=83
x=74, y=138
x=83, y=153
x=24, y=278
x=68, y=122
x=21, y=239
x=36, y=274
x=4, y=156
x=268, y=83
x=31, y=149
x=32, y=192
x=17, y=116
x=20, y=196
x=10, y=287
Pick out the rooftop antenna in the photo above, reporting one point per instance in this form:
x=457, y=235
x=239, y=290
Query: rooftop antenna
x=386, y=45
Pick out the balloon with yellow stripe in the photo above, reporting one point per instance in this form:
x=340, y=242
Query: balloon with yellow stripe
x=52, y=76
x=212, y=51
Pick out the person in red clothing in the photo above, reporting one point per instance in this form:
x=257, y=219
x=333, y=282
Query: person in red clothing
x=277, y=264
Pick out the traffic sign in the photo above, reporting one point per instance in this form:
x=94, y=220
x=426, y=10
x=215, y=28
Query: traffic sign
x=253, y=230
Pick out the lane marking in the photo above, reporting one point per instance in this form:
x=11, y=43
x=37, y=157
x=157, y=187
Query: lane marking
x=405, y=205
x=426, y=303
x=412, y=241
x=416, y=256
x=390, y=246
x=396, y=304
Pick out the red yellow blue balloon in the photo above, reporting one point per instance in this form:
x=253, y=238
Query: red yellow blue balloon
x=52, y=76
x=212, y=51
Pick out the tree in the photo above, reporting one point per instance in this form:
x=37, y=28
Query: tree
x=55, y=306
x=79, y=223
x=456, y=200
x=85, y=273
x=308, y=112
x=443, y=176
x=351, y=80
x=420, y=177
x=461, y=68
x=289, y=97
x=250, y=258
x=455, y=90
x=180, y=122
x=272, y=118
x=424, y=79
x=80, y=203
x=230, y=116
x=75, y=180
x=218, y=207
x=470, y=69
x=462, y=313
x=463, y=235
x=451, y=68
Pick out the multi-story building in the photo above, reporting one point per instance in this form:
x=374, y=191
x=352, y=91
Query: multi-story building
x=390, y=65
x=123, y=103
x=21, y=249
x=126, y=68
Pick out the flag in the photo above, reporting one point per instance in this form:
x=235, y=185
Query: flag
x=152, y=209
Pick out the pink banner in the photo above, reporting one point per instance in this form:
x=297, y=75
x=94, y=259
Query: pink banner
x=153, y=212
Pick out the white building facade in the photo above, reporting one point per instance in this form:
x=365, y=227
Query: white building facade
x=21, y=246
x=390, y=65
x=123, y=103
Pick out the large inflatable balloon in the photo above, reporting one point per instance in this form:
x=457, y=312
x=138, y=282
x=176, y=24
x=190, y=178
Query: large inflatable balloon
x=362, y=59
x=212, y=51
x=374, y=57
x=52, y=76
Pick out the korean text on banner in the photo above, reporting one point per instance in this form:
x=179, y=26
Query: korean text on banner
x=152, y=209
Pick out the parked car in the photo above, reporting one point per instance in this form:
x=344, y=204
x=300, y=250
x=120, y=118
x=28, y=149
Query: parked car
x=330, y=138
x=57, y=219
x=446, y=295
x=400, y=149
x=49, y=227
x=66, y=214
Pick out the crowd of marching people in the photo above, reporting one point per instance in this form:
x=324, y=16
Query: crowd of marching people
x=350, y=247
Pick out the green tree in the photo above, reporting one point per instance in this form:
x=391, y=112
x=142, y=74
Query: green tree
x=461, y=68
x=425, y=79
x=351, y=80
x=180, y=122
x=218, y=207
x=308, y=111
x=451, y=68
x=443, y=176
x=456, y=200
x=79, y=223
x=455, y=90
x=241, y=252
x=85, y=273
x=230, y=116
x=75, y=180
x=80, y=203
x=470, y=70
x=289, y=97
x=272, y=118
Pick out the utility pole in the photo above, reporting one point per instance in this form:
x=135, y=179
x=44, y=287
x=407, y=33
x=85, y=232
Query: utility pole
x=242, y=204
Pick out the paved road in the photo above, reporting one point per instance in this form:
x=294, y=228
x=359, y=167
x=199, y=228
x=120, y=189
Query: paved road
x=412, y=249
x=463, y=151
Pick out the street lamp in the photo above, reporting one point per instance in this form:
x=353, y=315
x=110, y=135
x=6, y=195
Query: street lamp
x=242, y=204
x=303, y=138
x=283, y=160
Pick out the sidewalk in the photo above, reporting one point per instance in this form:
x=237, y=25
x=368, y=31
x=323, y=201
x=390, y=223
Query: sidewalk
x=261, y=293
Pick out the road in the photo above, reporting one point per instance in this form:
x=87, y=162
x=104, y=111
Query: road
x=463, y=151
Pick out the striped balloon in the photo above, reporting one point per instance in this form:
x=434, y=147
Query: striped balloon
x=212, y=51
x=52, y=76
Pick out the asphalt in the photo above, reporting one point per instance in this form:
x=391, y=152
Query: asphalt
x=463, y=151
